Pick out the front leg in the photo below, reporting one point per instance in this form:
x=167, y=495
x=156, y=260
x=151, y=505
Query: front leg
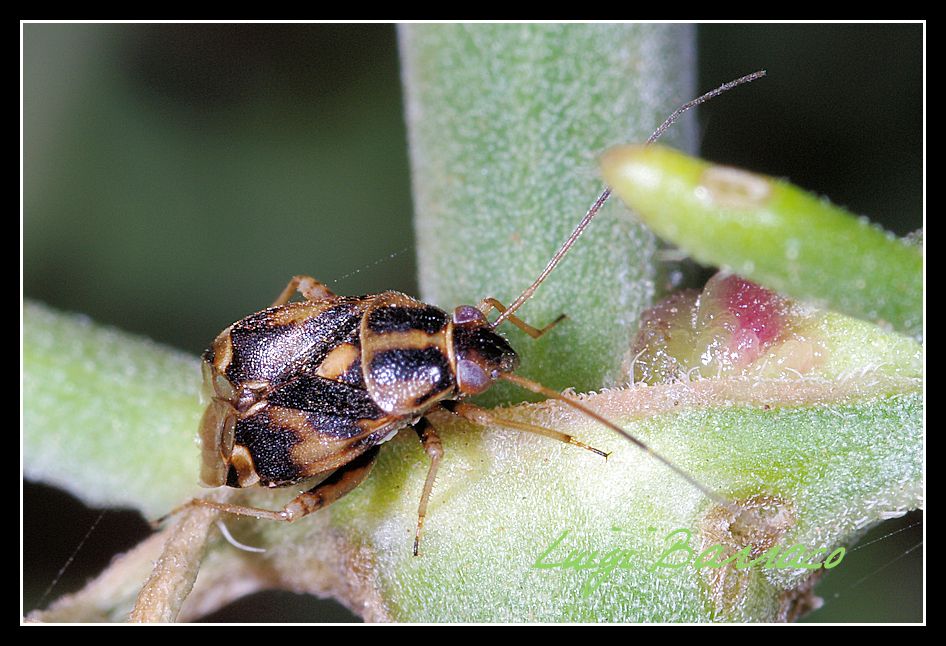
x=488, y=304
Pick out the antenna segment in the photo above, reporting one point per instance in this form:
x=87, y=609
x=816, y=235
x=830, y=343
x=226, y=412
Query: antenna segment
x=598, y=203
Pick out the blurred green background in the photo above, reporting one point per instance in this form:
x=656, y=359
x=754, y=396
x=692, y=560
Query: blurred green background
x=175, y=177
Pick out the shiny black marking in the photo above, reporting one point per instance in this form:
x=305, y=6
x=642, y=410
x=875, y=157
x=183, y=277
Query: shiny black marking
x=332, y=407
x=354, y=376
x=428, y=365
x=428, y=319
x=274, y=353
x=484, y=347
x=270, y=446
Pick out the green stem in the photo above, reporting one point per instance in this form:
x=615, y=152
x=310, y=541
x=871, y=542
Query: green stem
x=104, y=409
x=505, y=122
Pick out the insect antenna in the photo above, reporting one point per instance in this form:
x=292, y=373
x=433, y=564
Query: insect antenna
x=744, y=517
x=598, y=203
x=539, y=389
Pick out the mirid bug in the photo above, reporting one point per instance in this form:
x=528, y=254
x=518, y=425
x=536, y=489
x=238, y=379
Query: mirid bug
x=312, y=388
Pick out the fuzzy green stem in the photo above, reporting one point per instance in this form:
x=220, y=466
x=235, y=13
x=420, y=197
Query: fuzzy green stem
x=504, y=124
x=829, y=457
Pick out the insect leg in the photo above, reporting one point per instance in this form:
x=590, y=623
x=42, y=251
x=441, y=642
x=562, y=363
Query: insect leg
x=341, y=482
x=434, y=449
x=484, y=416
x=489, y=303
x=309, y=287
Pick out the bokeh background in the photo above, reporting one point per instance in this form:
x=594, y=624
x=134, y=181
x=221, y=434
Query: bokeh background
x=175, y=176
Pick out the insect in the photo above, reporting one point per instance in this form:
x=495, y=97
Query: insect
x=313, y=388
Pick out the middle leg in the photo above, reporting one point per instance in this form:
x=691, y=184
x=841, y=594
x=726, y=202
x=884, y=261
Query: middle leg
x=433, y=447
x=309, y=287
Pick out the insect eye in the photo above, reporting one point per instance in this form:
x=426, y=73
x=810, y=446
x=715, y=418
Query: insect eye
x=471, y=378
x=467, y=314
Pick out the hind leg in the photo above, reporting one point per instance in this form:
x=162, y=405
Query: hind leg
x=343, y=480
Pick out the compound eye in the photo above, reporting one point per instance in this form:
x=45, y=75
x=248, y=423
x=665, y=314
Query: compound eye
x=471, y=378
x=468, y=314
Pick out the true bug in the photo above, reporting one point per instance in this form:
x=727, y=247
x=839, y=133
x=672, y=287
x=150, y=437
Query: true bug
x=313, y=388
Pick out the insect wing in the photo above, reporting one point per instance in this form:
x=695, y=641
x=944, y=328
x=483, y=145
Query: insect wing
x=273, y=345
x=310, y=425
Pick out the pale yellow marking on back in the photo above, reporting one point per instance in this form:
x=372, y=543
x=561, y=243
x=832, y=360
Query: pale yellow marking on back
x=242, y=462
x=339, y=361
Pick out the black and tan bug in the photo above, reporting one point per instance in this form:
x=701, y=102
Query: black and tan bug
x=306, y=388
x=312, y=388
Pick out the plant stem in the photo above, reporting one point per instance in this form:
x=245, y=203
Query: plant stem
x=505, y=122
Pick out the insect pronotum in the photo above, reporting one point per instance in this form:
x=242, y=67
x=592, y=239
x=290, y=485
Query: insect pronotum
x=312, y=388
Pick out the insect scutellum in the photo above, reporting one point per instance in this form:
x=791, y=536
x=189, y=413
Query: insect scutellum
x=312, y=388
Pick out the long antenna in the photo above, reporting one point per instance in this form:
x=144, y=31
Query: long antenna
x=539, y=389
x=593, y=211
